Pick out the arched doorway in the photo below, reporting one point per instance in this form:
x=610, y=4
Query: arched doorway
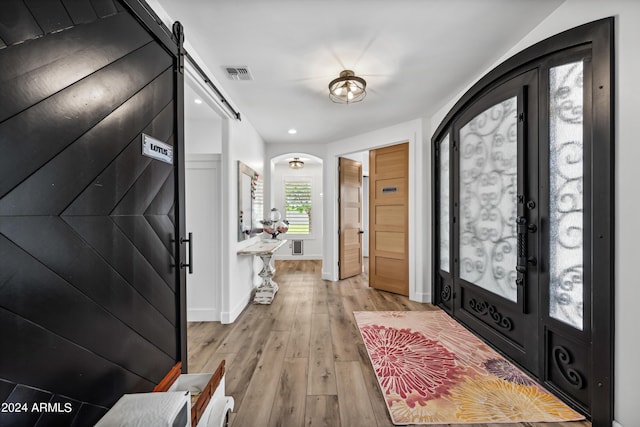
x=295, y=189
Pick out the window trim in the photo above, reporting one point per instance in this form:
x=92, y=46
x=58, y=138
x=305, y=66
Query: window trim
x=301, y=179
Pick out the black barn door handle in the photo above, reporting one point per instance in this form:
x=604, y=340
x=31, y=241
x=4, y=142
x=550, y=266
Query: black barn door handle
x=190, y=242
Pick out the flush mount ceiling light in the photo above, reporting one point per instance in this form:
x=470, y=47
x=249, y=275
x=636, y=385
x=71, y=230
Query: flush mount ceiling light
x=347, y=88
x=296, y=163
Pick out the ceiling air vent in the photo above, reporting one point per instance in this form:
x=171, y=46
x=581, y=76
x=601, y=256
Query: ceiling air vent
x=238, y=73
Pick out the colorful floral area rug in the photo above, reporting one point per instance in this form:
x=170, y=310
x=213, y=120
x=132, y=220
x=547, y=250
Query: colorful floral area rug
x=433, y=371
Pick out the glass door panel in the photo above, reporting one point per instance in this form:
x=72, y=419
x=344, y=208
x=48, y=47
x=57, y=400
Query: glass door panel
x=488, y=190
x=444, y=204
x=566, y=210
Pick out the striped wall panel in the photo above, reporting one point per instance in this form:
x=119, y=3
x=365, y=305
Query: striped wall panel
x=88, y=283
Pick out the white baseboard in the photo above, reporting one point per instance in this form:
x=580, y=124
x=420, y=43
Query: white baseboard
x=422, y=297
x=617, y=424
x=203, y=315
x=227, y=317
x=298, y=257
x=328, y=276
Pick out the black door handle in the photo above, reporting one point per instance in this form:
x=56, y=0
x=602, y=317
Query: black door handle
x=521, y=263
x=523, y=259
x=190, y=242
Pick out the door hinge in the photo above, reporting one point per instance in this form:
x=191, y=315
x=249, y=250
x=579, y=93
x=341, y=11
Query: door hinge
x=521, y=117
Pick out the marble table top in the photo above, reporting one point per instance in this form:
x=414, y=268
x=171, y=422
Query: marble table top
x=262, y=247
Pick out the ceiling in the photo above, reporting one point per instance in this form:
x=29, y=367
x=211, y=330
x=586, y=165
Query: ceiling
x=414, y=54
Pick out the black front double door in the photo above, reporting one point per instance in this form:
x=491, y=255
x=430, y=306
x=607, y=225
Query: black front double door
x=512, y=223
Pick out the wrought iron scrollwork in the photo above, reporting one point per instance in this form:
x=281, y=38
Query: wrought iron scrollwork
x=485, y=309
x=445, y=294
x=562, y=360
x=488, y=174
x=566, y=194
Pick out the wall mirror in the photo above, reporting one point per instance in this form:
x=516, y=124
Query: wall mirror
x=250, y=202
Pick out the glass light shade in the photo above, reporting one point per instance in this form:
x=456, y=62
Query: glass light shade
x=347, y=88
x=296, y=163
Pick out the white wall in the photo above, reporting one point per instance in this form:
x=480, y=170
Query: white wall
x=313, y=242
x=570, y=14
x=203, y=135
x=240, y=142
x=203, y=120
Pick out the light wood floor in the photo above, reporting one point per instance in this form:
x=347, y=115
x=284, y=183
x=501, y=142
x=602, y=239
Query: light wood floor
x=300, y=361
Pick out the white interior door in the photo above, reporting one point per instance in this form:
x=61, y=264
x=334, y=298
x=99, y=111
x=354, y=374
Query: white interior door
x=203, y=195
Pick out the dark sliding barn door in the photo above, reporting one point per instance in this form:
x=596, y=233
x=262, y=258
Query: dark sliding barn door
x=89, y=289
x=524, y=224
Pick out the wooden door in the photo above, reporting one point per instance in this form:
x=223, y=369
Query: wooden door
x=389, y=219
x=350, y=221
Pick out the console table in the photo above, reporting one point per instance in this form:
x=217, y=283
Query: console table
x=265, y=250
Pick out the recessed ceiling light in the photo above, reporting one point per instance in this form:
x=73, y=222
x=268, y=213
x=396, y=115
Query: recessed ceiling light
x=197, y=101
x=292, y=131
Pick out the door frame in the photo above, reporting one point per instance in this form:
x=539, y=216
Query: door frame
x=599, y=36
